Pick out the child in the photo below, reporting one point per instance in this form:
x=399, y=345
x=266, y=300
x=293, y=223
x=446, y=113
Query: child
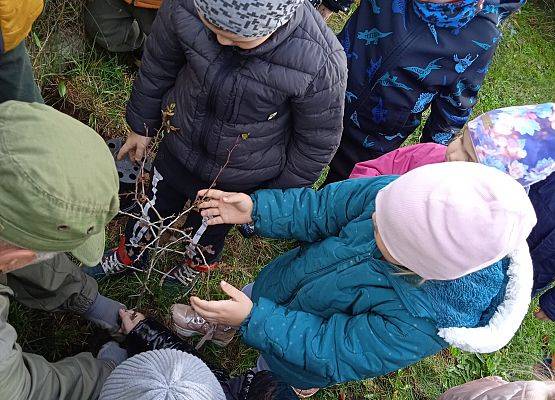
x=493, y=387
x=349, y=304
x=162, y=374
x=148, y=335
x=120, y=25
x=258, y=93
x=517, y=140
x=406, y=56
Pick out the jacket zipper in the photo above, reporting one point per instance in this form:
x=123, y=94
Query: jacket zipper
x=386, y=64
x=221, y=76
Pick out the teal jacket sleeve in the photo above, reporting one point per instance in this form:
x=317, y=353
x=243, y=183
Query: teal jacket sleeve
x=309, y=215
x=341, y=348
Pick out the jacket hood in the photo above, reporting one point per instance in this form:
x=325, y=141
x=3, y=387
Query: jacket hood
x=498, y=11
x=508, y=316
x=479, y=312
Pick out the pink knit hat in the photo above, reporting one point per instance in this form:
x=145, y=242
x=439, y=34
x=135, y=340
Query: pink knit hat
x=443, y=221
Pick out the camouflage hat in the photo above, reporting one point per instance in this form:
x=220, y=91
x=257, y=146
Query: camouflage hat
x=58, y=185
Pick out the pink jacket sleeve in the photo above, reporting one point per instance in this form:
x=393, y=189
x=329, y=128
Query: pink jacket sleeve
x=400, y=161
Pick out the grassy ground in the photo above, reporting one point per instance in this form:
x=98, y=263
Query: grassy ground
x=93, y=86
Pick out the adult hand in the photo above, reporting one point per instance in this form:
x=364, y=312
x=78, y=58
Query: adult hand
x=225, y=207
x=231, y=312
x=136, y=146
x=324, y=12
x=129, y=320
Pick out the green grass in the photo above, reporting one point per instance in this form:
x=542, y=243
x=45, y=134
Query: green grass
x=94, y=86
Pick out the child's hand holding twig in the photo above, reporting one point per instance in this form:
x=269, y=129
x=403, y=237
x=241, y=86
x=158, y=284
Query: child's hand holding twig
x=136, y=146
x=225, y=207
x=230, y=312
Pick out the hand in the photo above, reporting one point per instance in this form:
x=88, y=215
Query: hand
x=539, y=314
x=225, y=207
x=136, y=146
x=129, y=320
x=324, y=12
x=230, y=312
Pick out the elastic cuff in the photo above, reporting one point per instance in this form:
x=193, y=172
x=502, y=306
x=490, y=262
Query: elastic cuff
x=104, y=312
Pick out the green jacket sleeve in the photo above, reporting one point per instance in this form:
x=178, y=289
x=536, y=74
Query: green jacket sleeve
x=343, y=347
x=25, y=376
x=309, y=215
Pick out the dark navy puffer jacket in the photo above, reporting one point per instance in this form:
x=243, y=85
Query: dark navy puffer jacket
x=286, y=97
x=400, y=66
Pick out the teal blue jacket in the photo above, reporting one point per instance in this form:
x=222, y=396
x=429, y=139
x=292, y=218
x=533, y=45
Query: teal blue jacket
x=331, y=310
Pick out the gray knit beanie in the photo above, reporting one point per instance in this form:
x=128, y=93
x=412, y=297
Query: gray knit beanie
x=166, y=374
x=248, y=18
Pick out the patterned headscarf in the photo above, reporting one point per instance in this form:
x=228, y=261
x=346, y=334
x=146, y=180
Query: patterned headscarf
x=517, y=140
x=248, y=18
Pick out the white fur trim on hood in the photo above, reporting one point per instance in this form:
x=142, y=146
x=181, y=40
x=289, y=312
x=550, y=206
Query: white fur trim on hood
x=509, y=315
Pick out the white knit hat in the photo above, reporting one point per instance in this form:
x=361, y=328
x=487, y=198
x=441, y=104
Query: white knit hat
x=166, y=374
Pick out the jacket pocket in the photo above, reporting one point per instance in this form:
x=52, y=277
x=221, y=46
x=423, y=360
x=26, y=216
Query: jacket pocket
x=252, y=146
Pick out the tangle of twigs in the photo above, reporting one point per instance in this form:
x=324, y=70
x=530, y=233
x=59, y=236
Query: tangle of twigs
x=168, y=234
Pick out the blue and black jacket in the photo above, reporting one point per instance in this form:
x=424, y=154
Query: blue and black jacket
x=400, y=65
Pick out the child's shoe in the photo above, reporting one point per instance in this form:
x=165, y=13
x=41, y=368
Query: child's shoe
x=114, y=261
x=187, y=274
x=188, y=323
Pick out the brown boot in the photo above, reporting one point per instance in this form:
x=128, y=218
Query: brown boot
x=187, y=323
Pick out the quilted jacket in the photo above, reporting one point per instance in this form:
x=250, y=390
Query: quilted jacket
x=278, y=107
x=331, y=310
